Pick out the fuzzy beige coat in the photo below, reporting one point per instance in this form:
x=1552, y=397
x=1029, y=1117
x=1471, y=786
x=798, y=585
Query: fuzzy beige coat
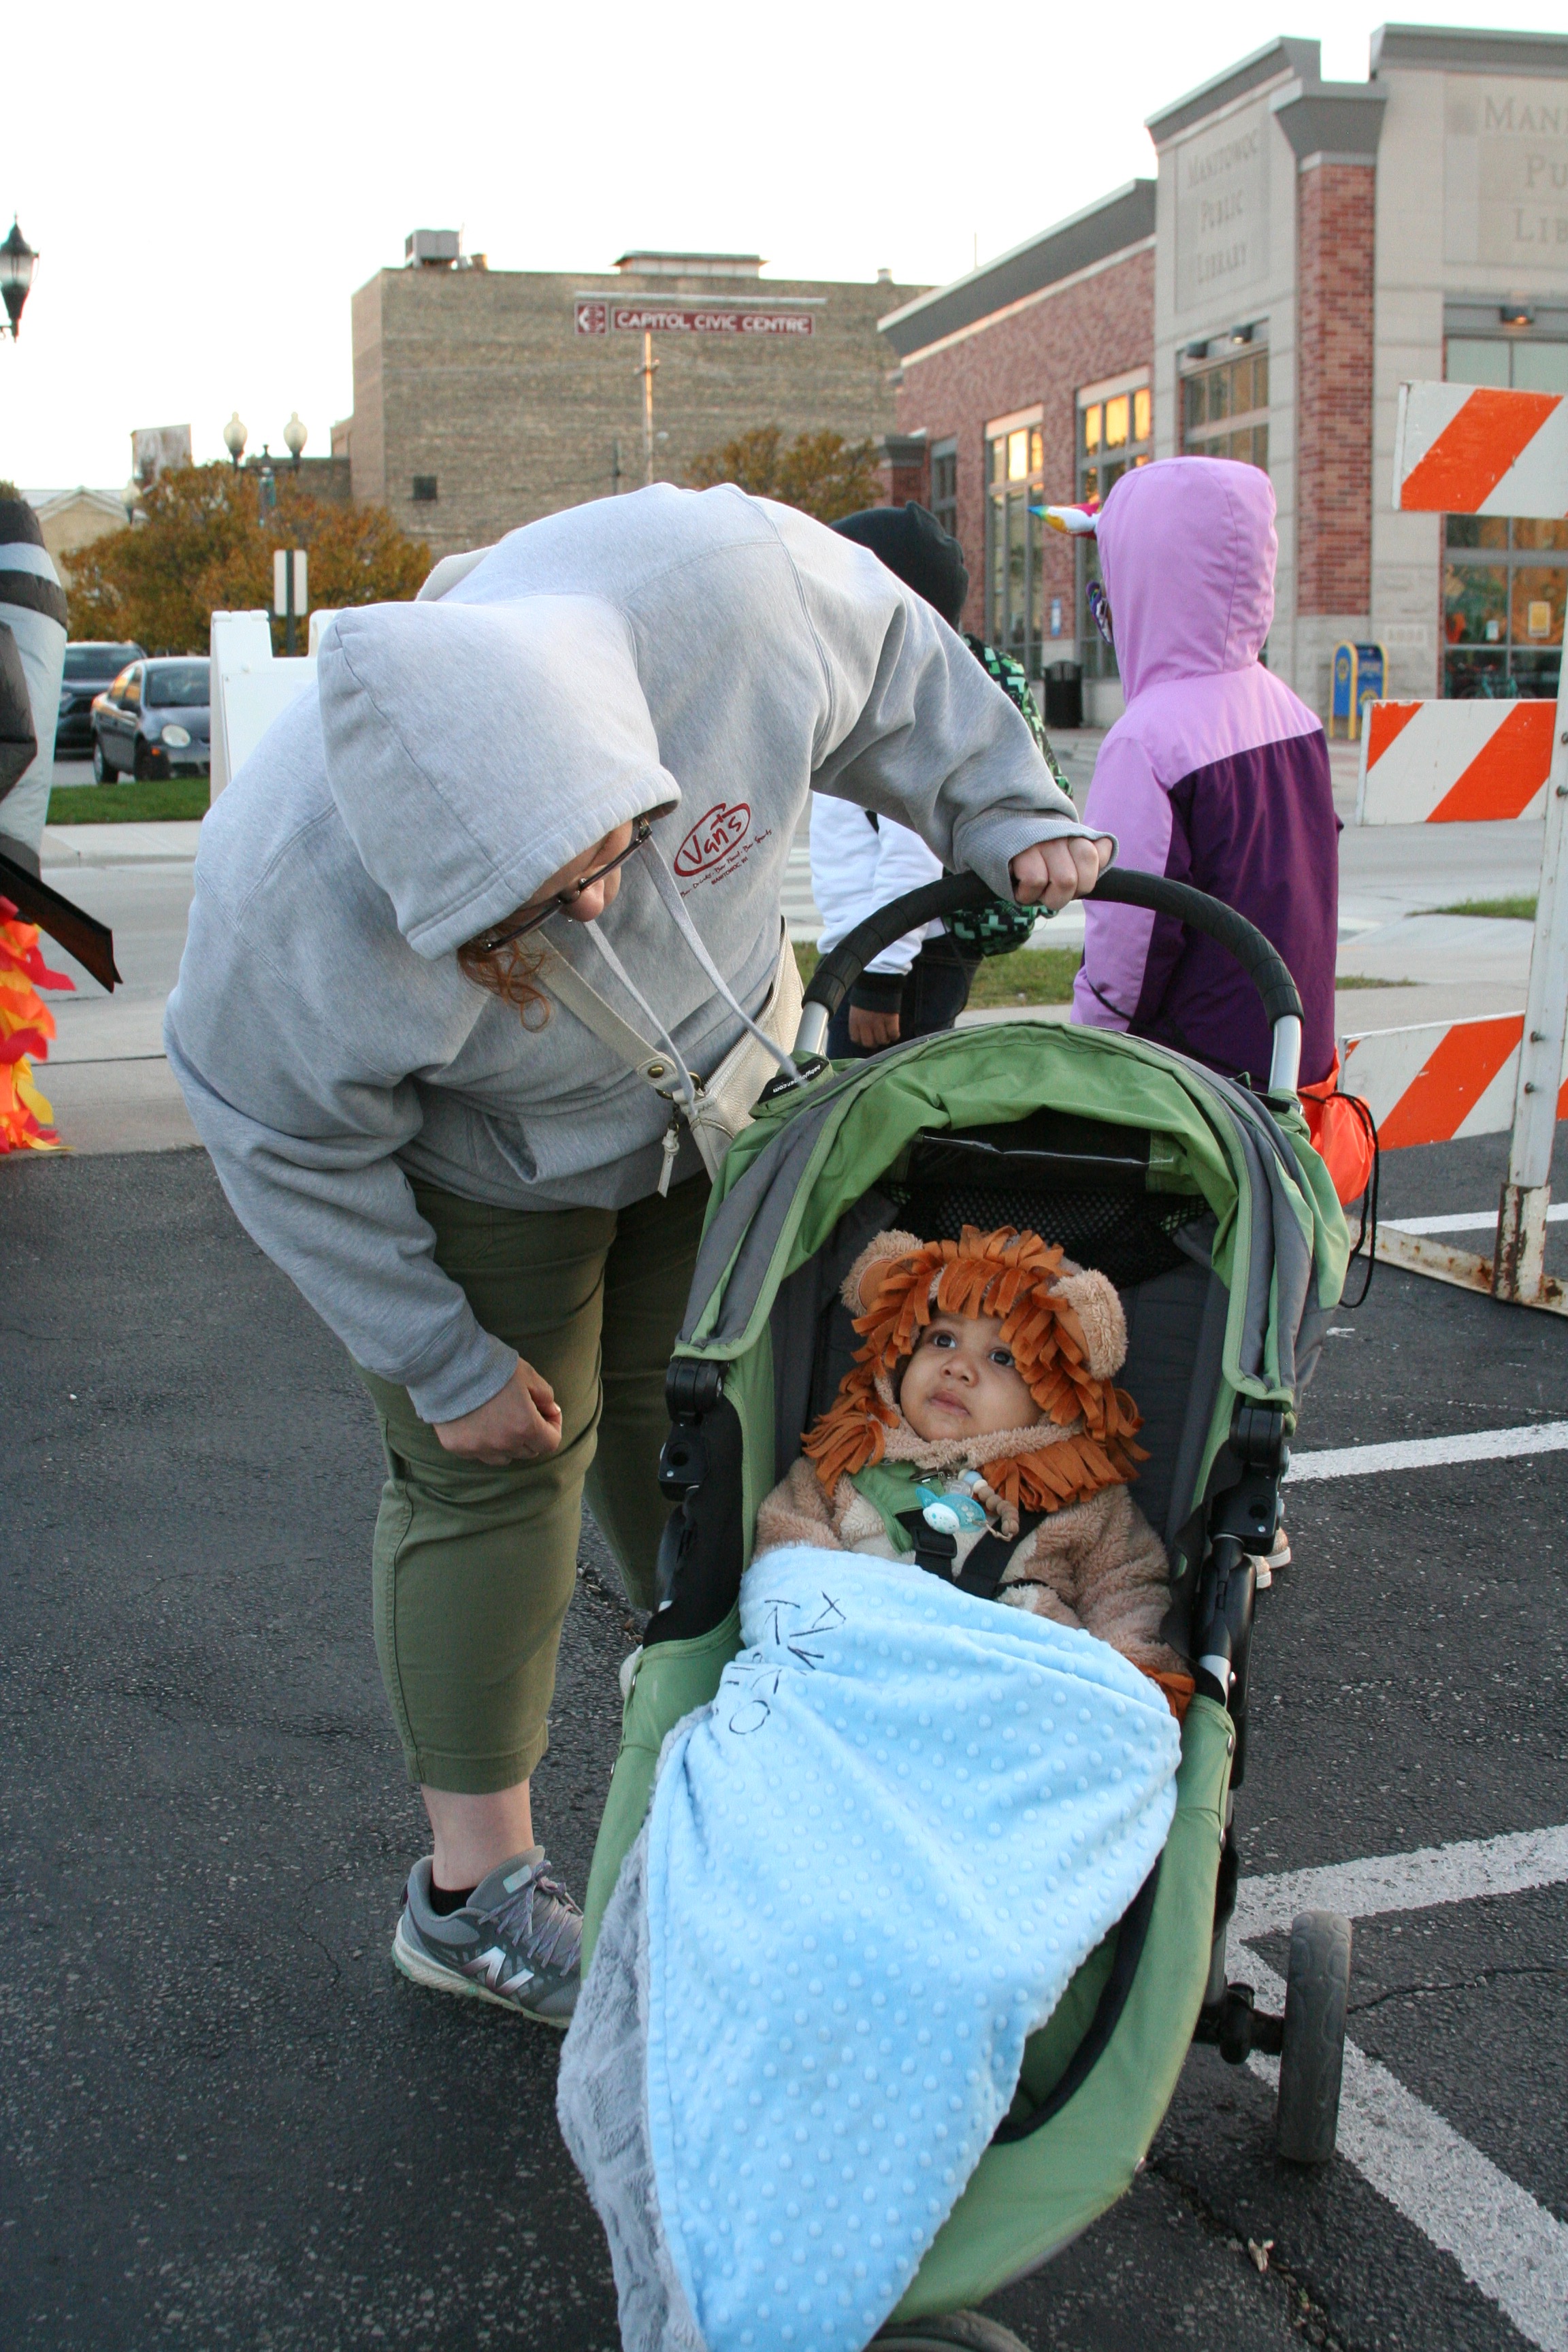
x=1097, y=1564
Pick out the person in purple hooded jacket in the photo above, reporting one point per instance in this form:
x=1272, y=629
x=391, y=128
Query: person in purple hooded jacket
x=1216, y=774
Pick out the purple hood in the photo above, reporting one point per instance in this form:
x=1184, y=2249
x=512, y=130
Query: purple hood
x=1187, y=550
x=1215, y=774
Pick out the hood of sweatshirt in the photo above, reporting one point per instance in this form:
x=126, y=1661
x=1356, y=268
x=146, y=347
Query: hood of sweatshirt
x=474, y=750
x=1187, y=549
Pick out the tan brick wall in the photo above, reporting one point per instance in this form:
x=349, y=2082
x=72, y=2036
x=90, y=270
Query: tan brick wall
x=477, y=377
x=1101, y=326
x=366, y=428
x=1335, y=224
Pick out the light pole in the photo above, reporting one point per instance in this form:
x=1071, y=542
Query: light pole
x=235, y=438
x=296, y=437
x=17, y=262
x=647, y=373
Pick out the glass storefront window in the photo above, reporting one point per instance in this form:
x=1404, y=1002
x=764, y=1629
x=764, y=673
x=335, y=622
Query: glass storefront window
x=1474, y=360
x=1540, y=367
x=1224, y=409
x=1537, y=615
x=1015, y=538
x=1505, y=582
x=1534, y=531
x=1475, y=604
x=1112, y=435
x=945, y=485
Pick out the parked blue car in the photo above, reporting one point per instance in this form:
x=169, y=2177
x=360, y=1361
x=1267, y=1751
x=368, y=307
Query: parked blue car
x=155, y=720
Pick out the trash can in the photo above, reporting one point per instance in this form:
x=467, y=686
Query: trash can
x=1064, y=693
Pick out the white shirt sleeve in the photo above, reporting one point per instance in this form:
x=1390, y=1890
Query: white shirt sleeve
x=856, y=867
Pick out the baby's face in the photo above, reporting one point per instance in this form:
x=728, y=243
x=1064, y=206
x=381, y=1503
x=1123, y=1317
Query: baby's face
x=961, y=1381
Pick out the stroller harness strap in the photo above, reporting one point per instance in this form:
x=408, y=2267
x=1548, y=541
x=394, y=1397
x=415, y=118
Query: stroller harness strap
x=986, y=1564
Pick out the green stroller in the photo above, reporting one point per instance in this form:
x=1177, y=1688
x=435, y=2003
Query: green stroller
x=1203, y=1202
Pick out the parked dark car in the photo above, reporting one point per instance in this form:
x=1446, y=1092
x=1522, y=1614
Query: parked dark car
x=153, y=721
x=89, y=668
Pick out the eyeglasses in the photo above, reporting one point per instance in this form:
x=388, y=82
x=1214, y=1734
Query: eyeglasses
x=491, y=940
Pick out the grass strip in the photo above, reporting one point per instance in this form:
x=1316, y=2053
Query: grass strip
x=162, y=800
x=1028, y=976
x=1503, y=910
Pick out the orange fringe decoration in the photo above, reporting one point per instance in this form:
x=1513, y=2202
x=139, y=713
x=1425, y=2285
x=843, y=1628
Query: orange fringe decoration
x=26, y=1024
x=1006, y=1274
x=1180, y=1690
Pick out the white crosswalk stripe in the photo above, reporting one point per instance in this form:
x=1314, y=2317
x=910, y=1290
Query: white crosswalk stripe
x=1429, y=1452
x=1507, y=2245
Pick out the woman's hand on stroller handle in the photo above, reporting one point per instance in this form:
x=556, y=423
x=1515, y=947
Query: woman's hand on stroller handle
x=519, y=1423
x=1053, y=873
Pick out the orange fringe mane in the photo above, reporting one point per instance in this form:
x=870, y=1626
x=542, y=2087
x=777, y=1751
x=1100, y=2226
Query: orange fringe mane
x=1010, y=1275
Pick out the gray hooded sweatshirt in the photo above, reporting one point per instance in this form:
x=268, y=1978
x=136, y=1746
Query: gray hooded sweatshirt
x=709, y=654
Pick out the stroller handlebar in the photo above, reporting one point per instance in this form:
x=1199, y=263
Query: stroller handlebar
x=1119, y=885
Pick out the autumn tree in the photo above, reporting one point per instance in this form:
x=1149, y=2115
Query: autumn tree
x=206, y=546
x=821, y=473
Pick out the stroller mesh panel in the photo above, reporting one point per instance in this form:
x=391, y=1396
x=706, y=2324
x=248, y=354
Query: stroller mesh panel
x=1129, y=1236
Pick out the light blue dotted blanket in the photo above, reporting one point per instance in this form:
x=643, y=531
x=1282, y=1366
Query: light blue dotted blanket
x=869, y=1870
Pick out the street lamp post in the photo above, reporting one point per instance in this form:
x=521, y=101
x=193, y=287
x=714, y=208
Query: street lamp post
x=646, y=371
x=17, y=261
x=235, y=438
x=296, y=437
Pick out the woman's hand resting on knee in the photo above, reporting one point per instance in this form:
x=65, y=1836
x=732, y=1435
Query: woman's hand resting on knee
x=519, y=1423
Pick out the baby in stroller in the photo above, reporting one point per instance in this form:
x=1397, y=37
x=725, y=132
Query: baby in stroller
x=982, y=1404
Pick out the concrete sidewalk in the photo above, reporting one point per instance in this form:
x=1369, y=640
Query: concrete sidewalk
x=106, y=1078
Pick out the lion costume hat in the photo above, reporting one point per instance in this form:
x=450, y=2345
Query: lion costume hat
x=1067, y=1334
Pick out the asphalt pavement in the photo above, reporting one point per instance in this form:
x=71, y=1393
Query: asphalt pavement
x=225, y=2120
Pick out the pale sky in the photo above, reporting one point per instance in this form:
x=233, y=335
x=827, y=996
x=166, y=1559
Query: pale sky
x=206, y=187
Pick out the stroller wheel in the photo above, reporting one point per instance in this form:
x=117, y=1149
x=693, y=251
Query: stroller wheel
x=1312, y=2058
x=960, y=2331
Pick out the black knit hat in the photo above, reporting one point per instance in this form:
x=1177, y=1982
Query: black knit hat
x=911, y=542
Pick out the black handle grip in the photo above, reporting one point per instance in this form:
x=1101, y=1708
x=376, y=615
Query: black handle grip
x=1120, y=886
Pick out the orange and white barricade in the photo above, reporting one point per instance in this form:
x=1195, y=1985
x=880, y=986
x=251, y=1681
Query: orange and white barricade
x=1440, y=1082
x=1476, y=449
x=1454, y=762
x=1466, y=448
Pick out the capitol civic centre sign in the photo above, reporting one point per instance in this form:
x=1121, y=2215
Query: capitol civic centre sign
x=598, y=315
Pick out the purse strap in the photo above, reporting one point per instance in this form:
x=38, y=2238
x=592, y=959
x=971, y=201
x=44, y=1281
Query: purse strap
x=658, y=1066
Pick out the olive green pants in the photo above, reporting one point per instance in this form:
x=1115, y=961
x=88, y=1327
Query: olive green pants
x=474, y=1567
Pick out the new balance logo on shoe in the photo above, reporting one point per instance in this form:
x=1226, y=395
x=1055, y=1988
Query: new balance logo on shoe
x=493, y=1965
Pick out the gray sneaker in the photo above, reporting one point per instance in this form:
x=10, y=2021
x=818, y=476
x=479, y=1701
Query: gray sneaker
x=515, y=1941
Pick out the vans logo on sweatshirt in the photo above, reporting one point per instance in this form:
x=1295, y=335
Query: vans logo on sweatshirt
x=712, y=838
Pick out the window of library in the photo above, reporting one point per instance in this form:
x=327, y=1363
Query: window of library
x=945, y=485
x=1113, y=434
x=1225, y=408
x=1015, y=536
x=1505, y=582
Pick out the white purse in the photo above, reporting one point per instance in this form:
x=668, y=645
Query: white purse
x=717, y=1108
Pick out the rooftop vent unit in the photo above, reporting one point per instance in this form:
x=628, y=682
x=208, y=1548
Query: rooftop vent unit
x=431, y=249
x=691, y=265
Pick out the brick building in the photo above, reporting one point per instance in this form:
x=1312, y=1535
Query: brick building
x=1305, y=248
x=484, y=398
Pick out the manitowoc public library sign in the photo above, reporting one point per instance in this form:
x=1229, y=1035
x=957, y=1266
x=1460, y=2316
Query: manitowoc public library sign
x=596, y=316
